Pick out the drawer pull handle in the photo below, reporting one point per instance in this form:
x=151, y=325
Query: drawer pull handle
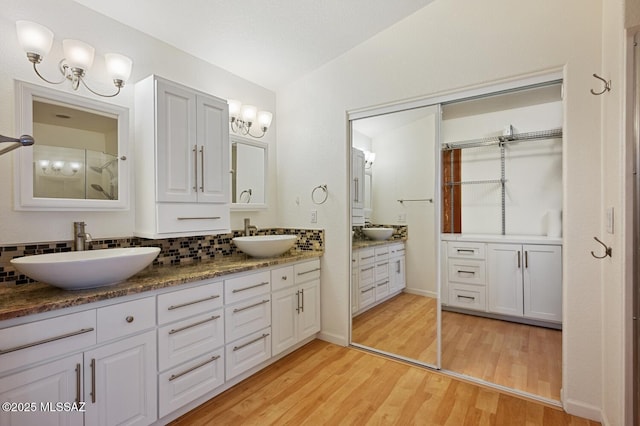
x=129, y=319
x=250, y=306
x=384, y=283
x=367, y=269
x=199, y=217
x=382, y=264
x=195, y=367
x=264, y=336
x=367, y=257
x=367, y=290
x=465, y=251
x=308, y=272
x=238, y=290
x=466, y=297
x=284, y=278
x=177, y=330
x=382, y=254
x=466, y=272
x=182, y=305
x=43, y=341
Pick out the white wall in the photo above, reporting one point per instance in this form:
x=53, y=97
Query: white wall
x=437, y=50
x=68, y=19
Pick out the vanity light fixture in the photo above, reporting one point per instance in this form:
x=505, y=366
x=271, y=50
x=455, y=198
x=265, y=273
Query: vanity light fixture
x=58, y=167
x=37, y=40
x=242, y=118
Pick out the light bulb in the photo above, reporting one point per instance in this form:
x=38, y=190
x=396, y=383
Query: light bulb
x=264, y=119
x=249, y=113
x=118, y=66
x=78, y=54
x=234, y=108
x=34, y=38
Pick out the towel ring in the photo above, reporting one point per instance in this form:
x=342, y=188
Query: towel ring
x=319, y=199
x=607, y=85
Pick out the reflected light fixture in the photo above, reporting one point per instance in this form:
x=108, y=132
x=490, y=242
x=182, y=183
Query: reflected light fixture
x=242, y=118
x=37, y=40
x=369, y=158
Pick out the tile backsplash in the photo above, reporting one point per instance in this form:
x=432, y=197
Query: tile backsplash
x=400, y=232
x=173, y=251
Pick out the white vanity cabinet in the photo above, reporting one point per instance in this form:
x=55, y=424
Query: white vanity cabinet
x=182, y=152
x=397, y=273
x=526, y=280
x=113, y=383
x=296, y=304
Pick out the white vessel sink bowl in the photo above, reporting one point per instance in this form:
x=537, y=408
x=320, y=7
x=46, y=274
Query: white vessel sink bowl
x=76, y=270
x=265, y=245
x=378, y=234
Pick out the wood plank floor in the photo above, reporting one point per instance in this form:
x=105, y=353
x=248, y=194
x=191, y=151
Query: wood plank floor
x=517, y=356
x=325, y=384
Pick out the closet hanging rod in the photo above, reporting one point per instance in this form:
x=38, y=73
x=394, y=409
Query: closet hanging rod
x=430, y=200
x=474, y=182
x=504, y=140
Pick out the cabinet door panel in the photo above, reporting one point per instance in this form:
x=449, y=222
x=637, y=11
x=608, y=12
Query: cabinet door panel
x=309, y=318
x=176, y=144
x=54, y=382
x=543, y=282
x=505, y=278
x=213, y=150
x=285, y=321
x=125, y=385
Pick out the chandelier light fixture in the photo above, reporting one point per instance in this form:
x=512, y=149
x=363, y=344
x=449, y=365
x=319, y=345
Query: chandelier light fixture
x=243, y=117
x=37, y=40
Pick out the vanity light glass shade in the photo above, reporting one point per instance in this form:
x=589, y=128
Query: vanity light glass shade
x=78, y=54
x=234, y=108
x=264, y=119
x=34, y=38
x=118, y=66
x=249, y=113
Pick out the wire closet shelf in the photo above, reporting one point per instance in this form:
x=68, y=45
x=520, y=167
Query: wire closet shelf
x=504, y=140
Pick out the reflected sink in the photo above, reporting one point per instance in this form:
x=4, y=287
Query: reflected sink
x=76, y=270
x=378, y=234
x=265, y=245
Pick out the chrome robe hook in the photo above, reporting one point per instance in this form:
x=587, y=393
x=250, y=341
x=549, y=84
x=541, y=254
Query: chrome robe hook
x=607, y=85
x=607, y=250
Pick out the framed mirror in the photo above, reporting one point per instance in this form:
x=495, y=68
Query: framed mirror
x=248, y=174
x=79, y=159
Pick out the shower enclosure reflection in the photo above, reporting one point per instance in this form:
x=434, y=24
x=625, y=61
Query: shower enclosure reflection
x=397, y=319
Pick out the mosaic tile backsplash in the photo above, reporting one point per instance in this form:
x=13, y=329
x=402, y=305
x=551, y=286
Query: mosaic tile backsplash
x=399, y=231
x=173, y=251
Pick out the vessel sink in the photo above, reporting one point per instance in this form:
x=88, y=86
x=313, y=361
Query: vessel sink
x=265, y=245
x=76, y=270
x=378, y=234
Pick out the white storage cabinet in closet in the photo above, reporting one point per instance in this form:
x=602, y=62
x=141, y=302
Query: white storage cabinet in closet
x=525, y=280
x=182, y=160
x=296, y=304
x=119, y=384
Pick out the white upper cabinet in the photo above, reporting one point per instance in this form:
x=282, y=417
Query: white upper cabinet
x=182, y=161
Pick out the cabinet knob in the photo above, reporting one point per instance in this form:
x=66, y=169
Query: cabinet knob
x=284, y=277
x=129, y=319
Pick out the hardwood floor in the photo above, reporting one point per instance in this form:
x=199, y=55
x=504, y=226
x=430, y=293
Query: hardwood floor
x=517, y=356
x=325, y=384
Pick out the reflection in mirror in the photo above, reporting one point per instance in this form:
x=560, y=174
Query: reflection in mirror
x=248, y=177
x=78, y=162
x=402, y=322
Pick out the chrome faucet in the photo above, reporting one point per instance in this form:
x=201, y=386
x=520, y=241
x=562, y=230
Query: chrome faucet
x=248, y=227
x=80, y=236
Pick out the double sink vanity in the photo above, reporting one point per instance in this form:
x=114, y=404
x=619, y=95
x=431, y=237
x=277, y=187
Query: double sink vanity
x=155, y=345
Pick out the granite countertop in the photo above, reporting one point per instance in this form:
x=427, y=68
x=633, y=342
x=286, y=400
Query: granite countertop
x=27, y=299
x=360, y=244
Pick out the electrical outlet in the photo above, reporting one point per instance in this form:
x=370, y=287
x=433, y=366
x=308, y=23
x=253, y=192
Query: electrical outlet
x=314, y=216
x=402, y=218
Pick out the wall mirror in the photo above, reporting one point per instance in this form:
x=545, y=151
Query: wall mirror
x=402, y=322
x=248, y=174
x=79, y=160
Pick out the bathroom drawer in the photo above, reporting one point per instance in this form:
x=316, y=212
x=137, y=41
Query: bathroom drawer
x=248, y=352
x=466, y=250
x=282, y=278
x=191, y=301
x=186, y=339
x=247, y=286
x=396, y=250
x=382, y=253
x=468, y=297
x=467, y=271
x=307, y=271
x=382, y=289
x=366, y=296
x=381, y=269
x=366, y=256
x=190, y=217
x=36, y=341
x=183, y=384
x=247, y=317
x=126, y=318
x=367, y=274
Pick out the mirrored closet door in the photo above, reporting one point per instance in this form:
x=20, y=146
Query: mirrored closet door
x=395, y=239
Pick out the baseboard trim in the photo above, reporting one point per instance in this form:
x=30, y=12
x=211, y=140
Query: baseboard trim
x=336, y=339
x=578, y=408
